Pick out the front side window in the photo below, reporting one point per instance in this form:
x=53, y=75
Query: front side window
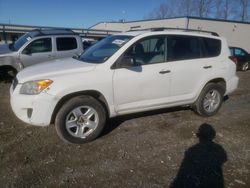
x=147, y=51
x=39, y=46
x=66, y=43
x=103, y=50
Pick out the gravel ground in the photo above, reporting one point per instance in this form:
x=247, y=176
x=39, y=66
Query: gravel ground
x=154, y=149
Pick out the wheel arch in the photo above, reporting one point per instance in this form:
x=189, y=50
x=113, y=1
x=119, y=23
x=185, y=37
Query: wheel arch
x=219, y=80
x=92, y=93
x=7, y=67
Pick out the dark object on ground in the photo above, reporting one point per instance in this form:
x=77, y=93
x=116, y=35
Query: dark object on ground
x=202, y=164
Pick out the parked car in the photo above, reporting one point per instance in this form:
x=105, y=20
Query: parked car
x=242, y=58
x=39, y=46
x=122, y=74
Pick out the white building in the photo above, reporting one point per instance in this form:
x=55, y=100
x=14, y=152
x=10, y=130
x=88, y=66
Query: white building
x=236, y=33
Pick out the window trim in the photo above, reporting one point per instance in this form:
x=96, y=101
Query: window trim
x=203, y=50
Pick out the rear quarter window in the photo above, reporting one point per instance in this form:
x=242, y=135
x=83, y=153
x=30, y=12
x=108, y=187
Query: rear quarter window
x=212, y=47
x=66, y=43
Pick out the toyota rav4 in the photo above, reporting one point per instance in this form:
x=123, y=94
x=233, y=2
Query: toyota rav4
x=125, y=73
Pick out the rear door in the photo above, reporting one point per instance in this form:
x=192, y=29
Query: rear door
x=190, y=65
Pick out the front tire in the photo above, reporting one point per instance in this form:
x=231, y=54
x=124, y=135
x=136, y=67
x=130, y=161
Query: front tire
x=210, y=100
x=7, y=73
x=80, y=120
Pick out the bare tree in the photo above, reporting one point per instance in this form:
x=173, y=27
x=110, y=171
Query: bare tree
x=166, y=10
x=163, y=11
x=185, y=7
x=224, y=9
x=203, y=7
x=243, y=9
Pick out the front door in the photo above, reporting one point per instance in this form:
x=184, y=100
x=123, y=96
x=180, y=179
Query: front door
x=39, y=50
x=146, y=83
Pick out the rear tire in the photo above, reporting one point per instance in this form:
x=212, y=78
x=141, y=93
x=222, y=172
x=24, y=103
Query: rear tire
x=210, y=100
x=80, y=120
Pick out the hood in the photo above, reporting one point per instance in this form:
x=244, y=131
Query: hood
x=4, y=49
x=54, y=68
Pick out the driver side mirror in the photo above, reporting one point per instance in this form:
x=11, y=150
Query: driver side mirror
x=127, y=62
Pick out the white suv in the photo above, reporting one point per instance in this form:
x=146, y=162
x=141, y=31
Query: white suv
x=122, y=74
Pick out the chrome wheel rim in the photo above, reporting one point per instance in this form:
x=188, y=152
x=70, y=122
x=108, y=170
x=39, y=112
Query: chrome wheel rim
x=82, y=121
x=245, y=67
x=211, y=101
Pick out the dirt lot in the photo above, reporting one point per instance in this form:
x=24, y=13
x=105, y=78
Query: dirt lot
x=142, y=150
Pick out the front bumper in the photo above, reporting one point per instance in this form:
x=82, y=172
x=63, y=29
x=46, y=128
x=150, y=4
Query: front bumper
x=32, y=109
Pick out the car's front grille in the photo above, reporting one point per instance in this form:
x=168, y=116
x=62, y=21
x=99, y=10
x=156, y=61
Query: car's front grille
x=14, y=84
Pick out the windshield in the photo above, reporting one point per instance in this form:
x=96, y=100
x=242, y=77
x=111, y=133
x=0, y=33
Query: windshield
x=104, y=49
x=20, y=42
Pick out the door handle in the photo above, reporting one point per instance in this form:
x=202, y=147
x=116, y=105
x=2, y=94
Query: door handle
x=51, y=56
x=164, y=71
x=207, y=67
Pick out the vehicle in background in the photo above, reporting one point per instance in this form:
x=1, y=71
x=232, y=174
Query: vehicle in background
x=87, y=42
x=38, y=46
x=241, y=57
x=123, y=74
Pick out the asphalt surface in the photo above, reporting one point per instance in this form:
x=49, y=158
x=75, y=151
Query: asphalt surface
x=153, y=149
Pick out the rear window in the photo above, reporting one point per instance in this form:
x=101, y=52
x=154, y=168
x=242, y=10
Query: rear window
x=212, y=47
x=66, y=43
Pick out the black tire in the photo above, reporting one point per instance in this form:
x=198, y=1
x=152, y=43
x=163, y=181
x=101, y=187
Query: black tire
x=69, y=108
x=209, y=89
x=245, y=66
x=7, y=74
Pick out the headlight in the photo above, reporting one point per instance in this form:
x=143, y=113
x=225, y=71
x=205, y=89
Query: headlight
x=35, y=87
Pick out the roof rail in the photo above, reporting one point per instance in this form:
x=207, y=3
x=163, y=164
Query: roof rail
x=179, y=29
x=54, y=31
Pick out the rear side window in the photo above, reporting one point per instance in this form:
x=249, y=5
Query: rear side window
x=66, y=43
x=183, y=48
x=212, y=47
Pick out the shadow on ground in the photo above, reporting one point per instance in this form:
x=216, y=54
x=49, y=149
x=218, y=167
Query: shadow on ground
x=202, y=163
x=113, y=123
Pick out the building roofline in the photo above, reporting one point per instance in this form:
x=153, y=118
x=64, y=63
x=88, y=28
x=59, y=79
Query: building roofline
x=178, y=17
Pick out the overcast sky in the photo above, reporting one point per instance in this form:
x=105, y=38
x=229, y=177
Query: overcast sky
x=73, y=13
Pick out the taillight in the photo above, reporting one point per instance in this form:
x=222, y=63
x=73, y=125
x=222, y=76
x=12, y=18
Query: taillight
x=234, y=59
